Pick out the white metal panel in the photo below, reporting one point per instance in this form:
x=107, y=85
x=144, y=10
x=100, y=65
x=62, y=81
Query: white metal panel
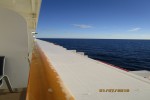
x=14, y=45
x=29, y=9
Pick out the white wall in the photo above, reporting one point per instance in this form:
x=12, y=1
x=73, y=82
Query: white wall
x=14, y=45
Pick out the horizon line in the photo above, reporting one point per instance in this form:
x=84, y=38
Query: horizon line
x=94, y=38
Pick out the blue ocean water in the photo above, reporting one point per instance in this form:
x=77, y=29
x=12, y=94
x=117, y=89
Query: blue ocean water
x=128, y=54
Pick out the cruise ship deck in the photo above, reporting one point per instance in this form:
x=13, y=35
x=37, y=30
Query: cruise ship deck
x=60, y=74
x=44, y=71
x=88, y=79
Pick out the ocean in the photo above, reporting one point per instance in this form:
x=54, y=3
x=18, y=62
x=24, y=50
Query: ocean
x=131, y=55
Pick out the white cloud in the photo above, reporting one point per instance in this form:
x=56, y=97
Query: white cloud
x=83, y=26
x=135, y=29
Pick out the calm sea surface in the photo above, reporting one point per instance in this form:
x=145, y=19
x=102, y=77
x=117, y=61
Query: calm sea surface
x=127, y=54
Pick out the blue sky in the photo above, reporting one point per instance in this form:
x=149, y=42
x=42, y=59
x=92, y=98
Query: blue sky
x=109, y=19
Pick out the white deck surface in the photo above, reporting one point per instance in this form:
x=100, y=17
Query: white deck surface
x=84, y=76
x=142, y=73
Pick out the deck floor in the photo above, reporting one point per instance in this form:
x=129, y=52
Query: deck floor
x=6, y=95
